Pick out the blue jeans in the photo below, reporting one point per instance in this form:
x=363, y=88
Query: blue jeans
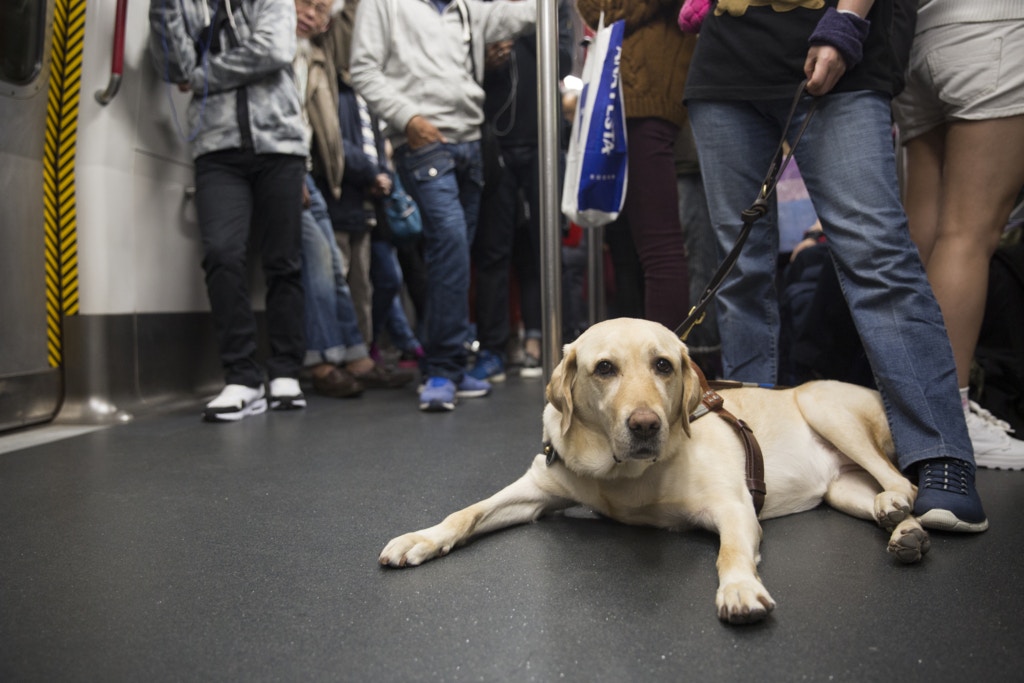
x=332, y=330
x=848, y=164
x=445, y=180
x=388, y=313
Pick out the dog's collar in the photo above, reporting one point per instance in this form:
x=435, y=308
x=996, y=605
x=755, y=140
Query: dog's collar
x=550, y=453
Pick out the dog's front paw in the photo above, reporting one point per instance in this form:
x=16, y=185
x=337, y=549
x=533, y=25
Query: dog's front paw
x=743, y=602
x=909, y=541
x=412, y=549
x=891, y=508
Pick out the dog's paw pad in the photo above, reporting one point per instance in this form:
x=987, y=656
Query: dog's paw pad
x=408, y=550
x=744, y=602
x=891, y=509
x=909, y=542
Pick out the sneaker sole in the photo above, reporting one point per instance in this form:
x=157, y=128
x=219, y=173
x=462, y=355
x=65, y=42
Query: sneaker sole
x=944, y=520
x=531, y=372
x=437, y=406
x=288, y=403
x=472, y=393
x=999, y=462
x=257, y=407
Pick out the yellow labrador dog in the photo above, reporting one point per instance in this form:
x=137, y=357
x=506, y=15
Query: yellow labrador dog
x=618, y=417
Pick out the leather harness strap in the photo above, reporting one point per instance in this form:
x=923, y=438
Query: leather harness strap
x=755, y=459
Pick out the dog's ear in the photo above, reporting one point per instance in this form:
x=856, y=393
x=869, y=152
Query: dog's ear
x=559, y=390
x=692, y=391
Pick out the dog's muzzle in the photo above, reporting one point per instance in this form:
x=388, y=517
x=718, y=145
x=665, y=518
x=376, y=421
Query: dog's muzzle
x=645, y=434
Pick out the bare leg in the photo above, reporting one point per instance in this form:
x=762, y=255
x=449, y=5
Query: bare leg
x=963, y=178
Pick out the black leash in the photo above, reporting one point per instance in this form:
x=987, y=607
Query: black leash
x=749, y=215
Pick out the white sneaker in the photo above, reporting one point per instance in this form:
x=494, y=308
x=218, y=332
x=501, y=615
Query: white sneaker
x=993, y=446
x=234, y=402
x=285, y=394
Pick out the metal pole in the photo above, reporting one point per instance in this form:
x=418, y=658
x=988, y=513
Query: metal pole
x=595, y=275
x=548, y=118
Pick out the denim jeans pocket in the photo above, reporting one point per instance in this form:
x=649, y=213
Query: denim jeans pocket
x=429, y=162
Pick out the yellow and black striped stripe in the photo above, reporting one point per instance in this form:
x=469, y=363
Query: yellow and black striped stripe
x=59, y=207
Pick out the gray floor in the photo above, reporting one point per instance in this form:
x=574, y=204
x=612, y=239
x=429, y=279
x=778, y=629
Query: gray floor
x=171, y=550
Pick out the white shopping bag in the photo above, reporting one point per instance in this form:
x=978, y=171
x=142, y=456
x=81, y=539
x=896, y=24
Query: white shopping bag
x=595, y=173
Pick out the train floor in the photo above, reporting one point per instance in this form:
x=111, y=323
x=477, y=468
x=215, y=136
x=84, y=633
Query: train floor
x=166, y=549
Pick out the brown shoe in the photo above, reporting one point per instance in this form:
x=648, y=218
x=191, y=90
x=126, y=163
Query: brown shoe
x=380, y=377
x=338, y=383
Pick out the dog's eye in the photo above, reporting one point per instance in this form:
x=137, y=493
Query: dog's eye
x=663, y=366
x=604, y=368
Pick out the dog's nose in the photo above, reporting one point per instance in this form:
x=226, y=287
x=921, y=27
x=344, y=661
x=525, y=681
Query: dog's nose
x=644, y=423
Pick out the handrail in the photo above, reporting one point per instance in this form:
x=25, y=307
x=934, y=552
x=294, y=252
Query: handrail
x=104, y=97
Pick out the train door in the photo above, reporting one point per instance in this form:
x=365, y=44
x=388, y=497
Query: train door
x=30, y=383
x=102, y=303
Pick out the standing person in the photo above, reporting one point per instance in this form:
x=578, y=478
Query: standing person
x=510, y=108
x=419, y=65
x=961, y=119
x=247, y=141
x=749, y=63
x=366, y=180
x=655, y=59
x=337, y=354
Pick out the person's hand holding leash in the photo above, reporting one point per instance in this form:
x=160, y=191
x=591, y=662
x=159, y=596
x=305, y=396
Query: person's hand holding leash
x=823, y=68
x=837, y=45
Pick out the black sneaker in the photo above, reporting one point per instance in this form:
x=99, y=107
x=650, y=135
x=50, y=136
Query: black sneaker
x=946, y=497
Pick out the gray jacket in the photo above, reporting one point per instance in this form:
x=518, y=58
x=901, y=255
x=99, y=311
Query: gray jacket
x=409, y=59
x=243, y=91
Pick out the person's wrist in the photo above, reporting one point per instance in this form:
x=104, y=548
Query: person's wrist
x=843, y=30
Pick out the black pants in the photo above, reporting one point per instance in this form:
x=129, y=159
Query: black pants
x=240, y=196
x=501, y=216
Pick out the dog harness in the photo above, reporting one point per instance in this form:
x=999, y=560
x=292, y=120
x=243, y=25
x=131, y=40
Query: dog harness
x=712, y=402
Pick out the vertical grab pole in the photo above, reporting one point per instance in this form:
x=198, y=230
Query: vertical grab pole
x=595, y=275
x=548, y=118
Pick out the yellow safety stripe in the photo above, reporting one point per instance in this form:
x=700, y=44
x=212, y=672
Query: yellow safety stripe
x=60, y=213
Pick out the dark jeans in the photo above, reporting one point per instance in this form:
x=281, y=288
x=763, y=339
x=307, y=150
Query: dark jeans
x=445, y=180
x=240, y=196
x=496, y=237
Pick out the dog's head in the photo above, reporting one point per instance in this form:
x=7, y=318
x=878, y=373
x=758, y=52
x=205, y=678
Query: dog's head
x=620, y=397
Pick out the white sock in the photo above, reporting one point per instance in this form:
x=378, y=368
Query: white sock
x=964, y=400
